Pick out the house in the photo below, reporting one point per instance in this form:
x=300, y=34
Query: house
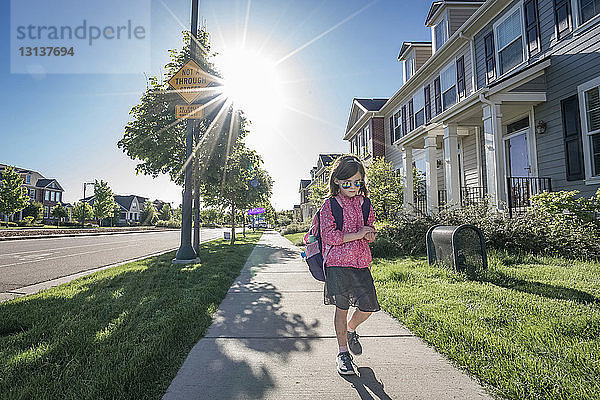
x=297, y=213
x=131, y=207
x=318, y=176
x=40, y=189
x=365, y=129
x=504, y=101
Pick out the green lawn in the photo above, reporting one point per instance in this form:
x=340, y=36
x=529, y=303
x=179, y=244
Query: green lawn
x=121, y=333
x=296, y=238
x=529, y=326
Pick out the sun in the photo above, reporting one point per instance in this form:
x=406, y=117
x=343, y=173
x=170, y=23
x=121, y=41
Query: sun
x=252, y=82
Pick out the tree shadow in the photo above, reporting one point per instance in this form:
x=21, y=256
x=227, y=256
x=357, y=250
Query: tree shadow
x=555, y=292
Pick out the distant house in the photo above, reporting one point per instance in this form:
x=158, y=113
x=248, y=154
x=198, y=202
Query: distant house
x=131, y=206
x=44, y=190
x=318, y=176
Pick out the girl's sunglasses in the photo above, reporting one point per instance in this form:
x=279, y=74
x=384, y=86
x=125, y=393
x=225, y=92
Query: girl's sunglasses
x=348, y=184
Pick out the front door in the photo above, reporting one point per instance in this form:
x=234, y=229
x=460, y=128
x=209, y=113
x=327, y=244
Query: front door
x=517, y=156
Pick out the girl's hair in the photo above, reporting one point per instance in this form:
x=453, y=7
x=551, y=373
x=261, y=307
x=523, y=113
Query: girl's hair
x=344, y=168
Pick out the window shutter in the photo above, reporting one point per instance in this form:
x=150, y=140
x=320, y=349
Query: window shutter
x=404, y=130
x=572, y=137
x=392, y=129
x=411, y=116
x=490, y=61
x=532, y=26
x=460, y=77
x=562, y=18
x=427, y=93
x=437, y=95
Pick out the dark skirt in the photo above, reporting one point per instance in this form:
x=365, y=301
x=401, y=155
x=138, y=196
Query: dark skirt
x=349, y=286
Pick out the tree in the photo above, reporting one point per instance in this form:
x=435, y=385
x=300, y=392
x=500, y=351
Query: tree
x=165, y=212
x=148, y=215
x=13, y=195
x=35, y=209
x=116, y=215
x=103, y=201
x=385, y=187
x=242, y=185
x=78, y=208
x=58, y=212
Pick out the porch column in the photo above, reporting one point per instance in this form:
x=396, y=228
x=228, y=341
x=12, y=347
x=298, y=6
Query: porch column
x=451, y=165
x=494, y=154
x=431, y=173
x=407, y=161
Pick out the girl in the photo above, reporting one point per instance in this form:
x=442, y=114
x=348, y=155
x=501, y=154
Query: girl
x=348, y=279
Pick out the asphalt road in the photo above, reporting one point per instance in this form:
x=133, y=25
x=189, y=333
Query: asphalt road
x=31, y=261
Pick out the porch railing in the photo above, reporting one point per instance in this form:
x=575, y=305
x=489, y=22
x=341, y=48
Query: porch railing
x=521, y=189
x=420, y=197
x=471, y=195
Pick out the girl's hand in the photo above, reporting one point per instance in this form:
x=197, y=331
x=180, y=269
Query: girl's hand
x=366, y=230
x=370, y=236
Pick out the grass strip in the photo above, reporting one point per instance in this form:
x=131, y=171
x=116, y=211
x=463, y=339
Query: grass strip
x=529, y=326
x=121, y=333
x=296, y=238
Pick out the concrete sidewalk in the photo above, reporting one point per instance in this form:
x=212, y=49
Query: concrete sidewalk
x=272, y=338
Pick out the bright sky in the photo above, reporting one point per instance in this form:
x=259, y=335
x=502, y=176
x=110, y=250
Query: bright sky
x=323, y=53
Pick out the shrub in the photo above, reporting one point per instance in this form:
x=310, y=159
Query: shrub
x=296, y=227
x=26, y=221
x=556, y=224
x=168, y=224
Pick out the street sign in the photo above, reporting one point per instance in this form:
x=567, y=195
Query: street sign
x=256, y=211
x=189, y=79
x=191, y=111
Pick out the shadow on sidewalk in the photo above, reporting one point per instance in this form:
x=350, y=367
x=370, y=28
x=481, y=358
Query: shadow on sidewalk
x=366, y=379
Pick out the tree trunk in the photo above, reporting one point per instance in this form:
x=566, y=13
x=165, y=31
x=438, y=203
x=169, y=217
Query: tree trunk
x=232, y=222
x=244, y=223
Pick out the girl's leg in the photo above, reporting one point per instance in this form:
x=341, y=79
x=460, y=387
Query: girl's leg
x=358, y=317
x=340, y=323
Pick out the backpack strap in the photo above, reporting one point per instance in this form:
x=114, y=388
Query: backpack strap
x=338, y=213
x=366, y=209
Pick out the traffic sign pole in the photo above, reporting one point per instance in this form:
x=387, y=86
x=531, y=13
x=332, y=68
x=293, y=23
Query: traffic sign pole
x=186, y=253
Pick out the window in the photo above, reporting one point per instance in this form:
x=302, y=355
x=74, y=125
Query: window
x=52, y=196
x=509, y=41
x=532, y=27
x=28, y=179
x=409, y=65
x=490, y=60
x=419, y=105
x=47, y=195
x=427, y=95
x=448, y=86
x=397, y=125
x=440, y=34
x=58, y=196
x=572, y=138
x=411, y=115
x=460, y=77
x=589, y=102
x=589, y=9
x=367, y=133
x=437, y=95
x=404, y=120
x=562, y=18
x=46, y=211
x=32, y=194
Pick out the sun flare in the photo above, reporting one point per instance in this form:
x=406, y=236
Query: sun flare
x=252, y=82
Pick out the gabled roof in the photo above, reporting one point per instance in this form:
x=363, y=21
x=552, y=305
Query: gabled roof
x=371, y=104
x=125, y=201
x=17, y=169
x=304, y=183
x=326, y=159
x=438, y=4
x=44, y=183
x=406, y=46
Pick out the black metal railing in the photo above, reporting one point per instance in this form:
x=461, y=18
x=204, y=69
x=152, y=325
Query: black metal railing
x=420, y=198
x=521, y=189
x=442, y=197
x=471, y=195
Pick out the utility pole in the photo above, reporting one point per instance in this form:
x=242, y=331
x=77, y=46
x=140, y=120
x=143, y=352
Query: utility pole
x=186, y=253
x=83, y=203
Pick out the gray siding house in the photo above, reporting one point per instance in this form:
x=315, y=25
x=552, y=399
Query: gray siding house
x=504, y=101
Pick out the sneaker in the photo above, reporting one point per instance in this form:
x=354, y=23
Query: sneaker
x=344, y=363
x=353, y=344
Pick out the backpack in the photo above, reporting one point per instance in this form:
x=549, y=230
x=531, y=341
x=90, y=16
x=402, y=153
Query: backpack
x=314, y=249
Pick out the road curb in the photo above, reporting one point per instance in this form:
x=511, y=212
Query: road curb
x=6, y=238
